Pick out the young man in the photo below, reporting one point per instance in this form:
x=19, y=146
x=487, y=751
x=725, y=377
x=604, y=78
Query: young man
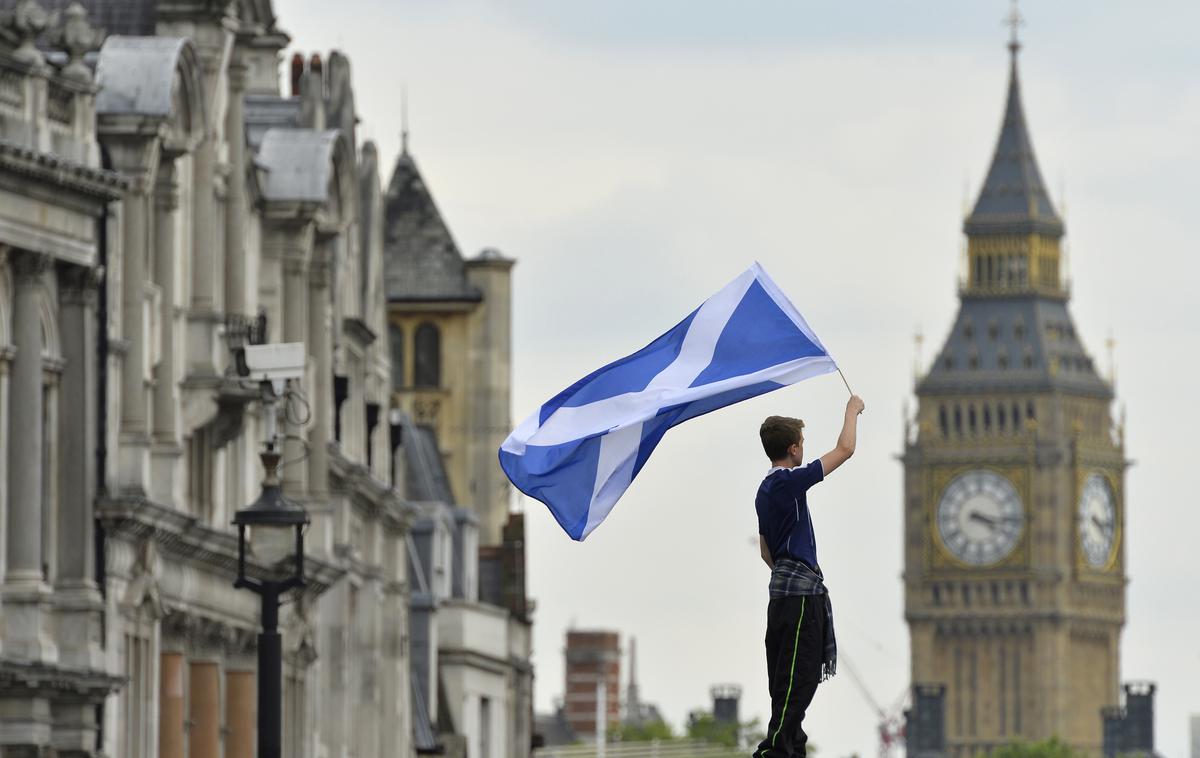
x=801, y=651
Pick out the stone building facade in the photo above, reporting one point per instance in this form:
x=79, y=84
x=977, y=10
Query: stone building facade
x=1014, y=499
x=162, y=202
x=449, y=339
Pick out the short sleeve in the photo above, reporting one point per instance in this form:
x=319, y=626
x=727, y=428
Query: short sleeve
x=803, y=477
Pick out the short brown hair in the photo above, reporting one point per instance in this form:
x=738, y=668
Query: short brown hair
x=778, y=433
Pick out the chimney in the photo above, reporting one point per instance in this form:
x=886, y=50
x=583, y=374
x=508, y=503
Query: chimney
x=318, y=69
x=297, y=73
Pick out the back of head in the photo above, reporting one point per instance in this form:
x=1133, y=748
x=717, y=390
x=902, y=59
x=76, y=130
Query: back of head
x=778, y=433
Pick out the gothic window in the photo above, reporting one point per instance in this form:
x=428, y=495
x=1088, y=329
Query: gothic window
x=987, y=418
x=1029, y=411
x=427, y=368
x=943, y=422
x=1000, y=417
x=1002, y=361
x=958, y=420
x=971, y=419
x=396, y=345
x=1016, y=417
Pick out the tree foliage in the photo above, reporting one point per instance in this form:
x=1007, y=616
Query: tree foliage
x=647, y=732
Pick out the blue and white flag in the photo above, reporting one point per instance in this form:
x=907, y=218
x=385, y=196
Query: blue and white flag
x=580, y=452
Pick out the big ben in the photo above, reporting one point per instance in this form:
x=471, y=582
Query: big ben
x=1014, y=496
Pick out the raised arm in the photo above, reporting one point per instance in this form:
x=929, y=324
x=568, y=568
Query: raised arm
x=847, y=439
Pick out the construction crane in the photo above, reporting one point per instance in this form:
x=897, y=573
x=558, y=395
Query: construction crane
x=891, y=720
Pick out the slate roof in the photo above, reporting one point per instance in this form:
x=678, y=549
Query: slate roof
x=425, y=472
x=263, y=112
x=132, y=17
x=298, y=164
x=422, y=261
x=137, y=74
x=1018, y=343
x=1014, y=199
x=424, y=738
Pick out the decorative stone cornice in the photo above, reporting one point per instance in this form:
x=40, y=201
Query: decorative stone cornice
x=180, y=537
x=27, y=676
x=84, y=180
x=203, y=633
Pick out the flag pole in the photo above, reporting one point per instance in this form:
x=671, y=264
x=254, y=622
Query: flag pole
x=839, y=368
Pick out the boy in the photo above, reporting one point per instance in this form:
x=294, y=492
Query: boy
x=801, y=651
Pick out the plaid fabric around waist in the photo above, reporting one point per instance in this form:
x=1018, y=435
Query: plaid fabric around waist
x=790, y=578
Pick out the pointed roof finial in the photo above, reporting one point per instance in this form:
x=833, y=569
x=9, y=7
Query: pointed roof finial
x=403, y=120
x=1014, y=21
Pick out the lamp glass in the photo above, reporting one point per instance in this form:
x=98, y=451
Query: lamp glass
x=271, y=544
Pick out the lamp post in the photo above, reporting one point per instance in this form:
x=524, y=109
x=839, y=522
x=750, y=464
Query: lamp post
x=277, y=530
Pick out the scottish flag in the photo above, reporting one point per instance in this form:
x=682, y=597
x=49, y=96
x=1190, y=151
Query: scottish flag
x=580, y=452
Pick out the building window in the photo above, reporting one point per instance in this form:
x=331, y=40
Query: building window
x=943, y=422
x=485, y=728
x=396, y=345
x=427, y=369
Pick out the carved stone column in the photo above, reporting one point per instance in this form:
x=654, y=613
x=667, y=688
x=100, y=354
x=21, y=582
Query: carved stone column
x=204, y=317
x=135, y=407
x=320, y=393
x=25, y=592
x=295, y=329
x=77, y=598
x=166, y=453
x=235, y=198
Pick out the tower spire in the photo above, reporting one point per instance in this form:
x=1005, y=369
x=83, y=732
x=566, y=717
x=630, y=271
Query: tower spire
x=1014, y=21
x=403, y=120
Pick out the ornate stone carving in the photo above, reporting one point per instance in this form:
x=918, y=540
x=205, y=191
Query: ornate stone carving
x=79, y=285
x=27, y=267
x=27, y=21
x=299, y=631
x=77, y=37
x=142, y=593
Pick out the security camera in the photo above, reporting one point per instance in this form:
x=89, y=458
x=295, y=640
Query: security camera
x=275, y=361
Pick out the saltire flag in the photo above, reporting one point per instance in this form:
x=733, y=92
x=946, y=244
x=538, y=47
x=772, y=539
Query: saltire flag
x=581, y=450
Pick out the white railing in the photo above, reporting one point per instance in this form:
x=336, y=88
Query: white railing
x=653, y=749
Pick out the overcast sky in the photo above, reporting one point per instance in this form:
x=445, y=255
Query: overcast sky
x=634, y=156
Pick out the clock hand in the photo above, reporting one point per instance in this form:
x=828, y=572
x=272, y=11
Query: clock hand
x=987, y=520
x=1102, y=524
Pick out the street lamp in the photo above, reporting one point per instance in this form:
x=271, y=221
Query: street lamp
x=276, y=527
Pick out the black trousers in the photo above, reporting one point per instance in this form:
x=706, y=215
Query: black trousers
x=795, y=650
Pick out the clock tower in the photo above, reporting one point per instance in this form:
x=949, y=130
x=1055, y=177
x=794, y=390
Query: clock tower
x=1014, y=496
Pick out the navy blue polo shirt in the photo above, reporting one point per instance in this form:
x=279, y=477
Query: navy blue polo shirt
x=783, y=518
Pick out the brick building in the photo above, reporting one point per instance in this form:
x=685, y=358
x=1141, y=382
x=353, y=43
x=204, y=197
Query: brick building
x=592, y=657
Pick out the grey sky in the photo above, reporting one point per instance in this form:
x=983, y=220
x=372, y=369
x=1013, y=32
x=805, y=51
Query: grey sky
x=636, y=156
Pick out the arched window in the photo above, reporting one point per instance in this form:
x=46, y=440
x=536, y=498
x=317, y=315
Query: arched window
x=943, y=422
x=427, y=369
x=396, y=346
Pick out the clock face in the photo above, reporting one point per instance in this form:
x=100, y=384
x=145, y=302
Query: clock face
x=980, y=517
x=1097, y=520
